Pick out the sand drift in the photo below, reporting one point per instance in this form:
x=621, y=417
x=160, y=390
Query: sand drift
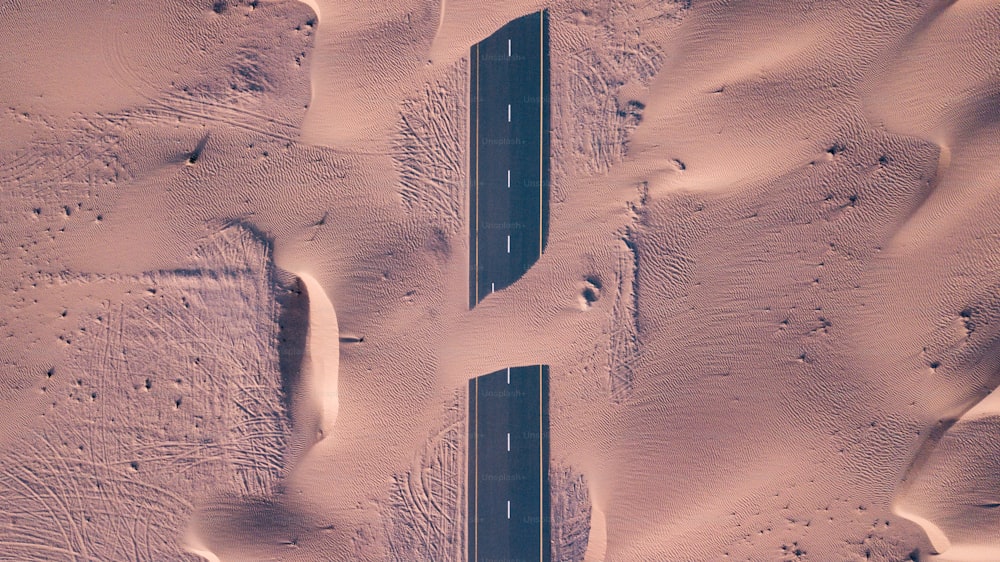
x=321, y=363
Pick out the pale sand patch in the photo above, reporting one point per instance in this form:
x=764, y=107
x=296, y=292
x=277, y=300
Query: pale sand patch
x=969, y=553
x=321, y=363
x=194, y=545
x=597, y=541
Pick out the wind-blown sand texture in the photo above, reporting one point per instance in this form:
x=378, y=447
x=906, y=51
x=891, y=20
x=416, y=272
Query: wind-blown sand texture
x=234, y=269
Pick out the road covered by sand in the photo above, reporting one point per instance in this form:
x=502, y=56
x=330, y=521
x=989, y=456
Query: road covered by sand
x=784, y=215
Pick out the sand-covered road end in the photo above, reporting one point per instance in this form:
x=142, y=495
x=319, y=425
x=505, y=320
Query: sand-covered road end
x=234, y=259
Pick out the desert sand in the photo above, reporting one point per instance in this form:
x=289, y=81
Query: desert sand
x=258, y=349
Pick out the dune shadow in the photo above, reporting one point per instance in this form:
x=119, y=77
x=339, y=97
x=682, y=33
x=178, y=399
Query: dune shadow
x=248, y=528
x=293, y=328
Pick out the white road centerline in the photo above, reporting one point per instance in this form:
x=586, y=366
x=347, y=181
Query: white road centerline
x=508, y=441
x=508, y=243
x=508, y=375
x=508, y=178
x=493, y=287
x=508, y=509
x=508, y=113
x=508, y=47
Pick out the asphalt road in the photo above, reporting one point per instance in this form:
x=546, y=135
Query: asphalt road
x=509, y=511
x=508, y=466
x=509, y=154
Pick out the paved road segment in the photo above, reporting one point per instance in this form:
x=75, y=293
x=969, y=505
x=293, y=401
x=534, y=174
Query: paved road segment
x=508, y=509
x=509, y=154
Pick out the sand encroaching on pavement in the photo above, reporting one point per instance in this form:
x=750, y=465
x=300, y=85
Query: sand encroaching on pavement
x=791, y=211
x=321, y=362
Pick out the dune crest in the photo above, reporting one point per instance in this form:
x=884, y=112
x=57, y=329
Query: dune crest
x=597, y=540
x=934, y=533
x=314, y=5
x=321, y=362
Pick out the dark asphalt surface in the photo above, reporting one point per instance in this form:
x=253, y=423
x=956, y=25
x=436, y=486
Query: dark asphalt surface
x=519, y=146
x=517, y=411
x=508, y=229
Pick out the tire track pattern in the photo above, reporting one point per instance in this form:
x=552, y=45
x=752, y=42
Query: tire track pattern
x=570, y=514
x=624, y=345
x=425, y=517
x=594, y=119
x=428, y=150
x=166, y=397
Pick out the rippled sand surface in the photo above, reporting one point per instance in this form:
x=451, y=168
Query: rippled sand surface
x=233, y=280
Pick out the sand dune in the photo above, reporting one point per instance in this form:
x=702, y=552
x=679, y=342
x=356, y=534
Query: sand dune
x=321, y=363
x=768, y=298
x=597, y=540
